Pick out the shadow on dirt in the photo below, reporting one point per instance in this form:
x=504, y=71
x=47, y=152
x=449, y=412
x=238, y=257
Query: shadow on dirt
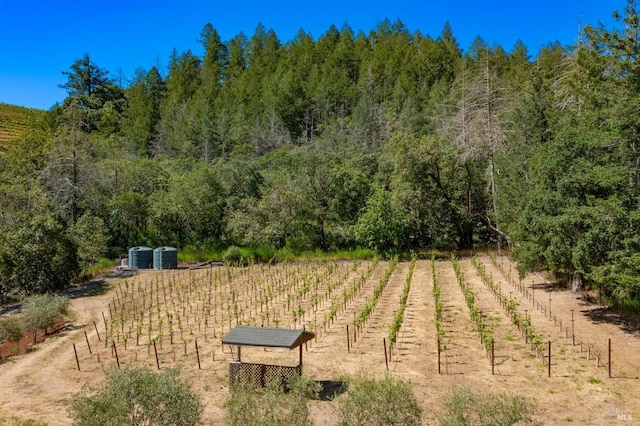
x=92, y=288
x=98, y=286
x=95, y=287
x=331, y=389
x=610, y=316
x=550, y=287
x=11, y=309
x=591, y=307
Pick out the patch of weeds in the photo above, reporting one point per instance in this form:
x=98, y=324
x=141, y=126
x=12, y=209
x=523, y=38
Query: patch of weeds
x=465, y=407
x=218, y=377
x=388, y=401
x=271, y=405
x=569, y=419
x=563, y=351
x=14, y=421
x=594, y=381
x=509, y=338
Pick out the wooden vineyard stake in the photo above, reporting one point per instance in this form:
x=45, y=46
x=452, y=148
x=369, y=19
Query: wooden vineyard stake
x=198, y=355
x=106, y=328
x=88, y=345
x=549, y=363
x=609, y=358
x=493, y=356
x=76, y=353
x=386, y=360
x=573, y=336
x=115, y=351
x=97, y=333
x=155, y=350
x=348, y=348
x=438, y=355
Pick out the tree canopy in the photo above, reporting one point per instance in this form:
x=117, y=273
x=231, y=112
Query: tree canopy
x=390, y=139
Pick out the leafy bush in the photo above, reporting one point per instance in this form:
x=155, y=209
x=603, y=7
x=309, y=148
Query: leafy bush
x=40, y=312
x=90, y=235
x=271, y=405
x=10, y=329
x=233, y=257
x=102, y=265
x=36, y=258
x=138, y=396
x=264, y=253
x=467, y=408
x=389, y=401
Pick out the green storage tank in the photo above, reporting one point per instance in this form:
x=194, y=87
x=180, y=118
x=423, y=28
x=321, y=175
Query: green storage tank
x=165, y=258
x=140, y=257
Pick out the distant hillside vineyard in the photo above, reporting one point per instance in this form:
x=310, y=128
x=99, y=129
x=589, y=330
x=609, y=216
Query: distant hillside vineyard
x=15, y=121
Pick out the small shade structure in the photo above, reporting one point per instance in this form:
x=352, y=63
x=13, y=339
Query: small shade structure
x=267, y=337
x=264, y=337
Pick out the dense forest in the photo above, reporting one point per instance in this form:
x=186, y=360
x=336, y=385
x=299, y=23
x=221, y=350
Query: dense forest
x=391, y=140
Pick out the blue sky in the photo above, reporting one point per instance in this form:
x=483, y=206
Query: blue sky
x=40, y=39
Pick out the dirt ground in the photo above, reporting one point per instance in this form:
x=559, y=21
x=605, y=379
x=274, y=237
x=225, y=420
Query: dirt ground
x=39, y=386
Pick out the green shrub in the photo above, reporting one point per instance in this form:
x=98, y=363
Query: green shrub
x=199, y=253
x=138, y=396
x=264, y=254
x=272, y=405
x=389, y=401
x=102, y=265
x=233, y=257
x=40, y=312
x=467, y=408
x=10, y=329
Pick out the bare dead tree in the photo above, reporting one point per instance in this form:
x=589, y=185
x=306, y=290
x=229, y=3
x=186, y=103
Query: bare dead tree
x=478, y=126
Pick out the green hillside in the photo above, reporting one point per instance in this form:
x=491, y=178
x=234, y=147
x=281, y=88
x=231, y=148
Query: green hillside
x=15, y=121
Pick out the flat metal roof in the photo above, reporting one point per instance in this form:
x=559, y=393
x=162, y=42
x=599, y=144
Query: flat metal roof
x=267, y=337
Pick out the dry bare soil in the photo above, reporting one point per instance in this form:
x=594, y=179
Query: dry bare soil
x=175, y=309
